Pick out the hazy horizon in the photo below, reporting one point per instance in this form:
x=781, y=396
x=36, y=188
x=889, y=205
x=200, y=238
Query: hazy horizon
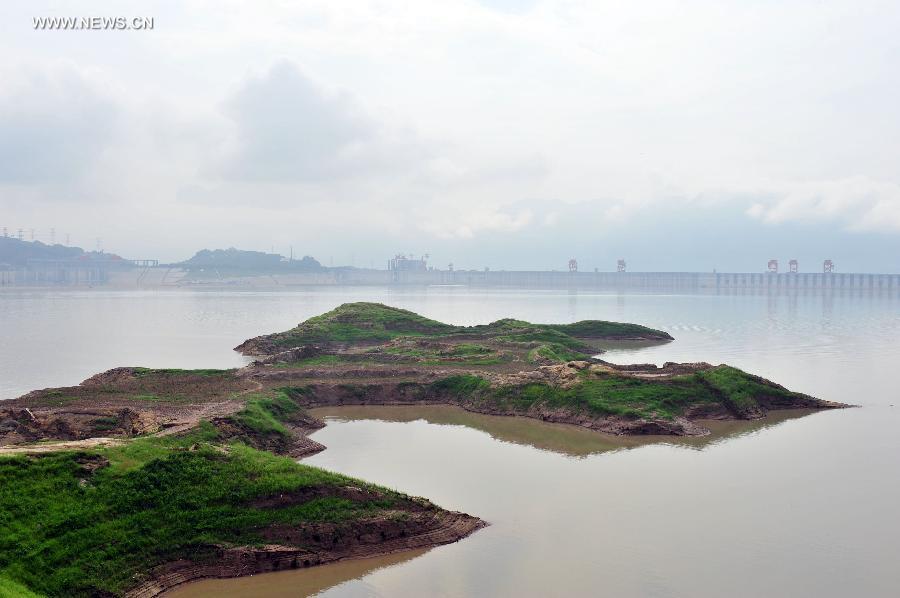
x=509, y=135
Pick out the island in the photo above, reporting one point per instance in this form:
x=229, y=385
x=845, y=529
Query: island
x=140, y=479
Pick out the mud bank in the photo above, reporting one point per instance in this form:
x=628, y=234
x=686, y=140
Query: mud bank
x=322, y=544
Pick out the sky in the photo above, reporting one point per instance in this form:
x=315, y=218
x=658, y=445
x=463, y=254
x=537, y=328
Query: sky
x=512, y=135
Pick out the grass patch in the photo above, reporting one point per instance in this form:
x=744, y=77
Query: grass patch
x=608, y=394
x=460, y=387
x=159, y=500
x=265, y=415
x=611, y=394
x=741, y=390
x=360, y=322
x=604, y=329
x=13, y=589
x=556, y=352
x=538, y=335
x=375, y=322
x=463, y=354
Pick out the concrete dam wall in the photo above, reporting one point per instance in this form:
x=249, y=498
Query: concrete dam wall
x=685, y=282
x=678, y=281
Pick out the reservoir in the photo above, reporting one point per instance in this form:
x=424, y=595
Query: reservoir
x=790, y=506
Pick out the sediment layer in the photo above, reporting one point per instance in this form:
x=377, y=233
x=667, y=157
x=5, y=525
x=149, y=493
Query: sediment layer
x=361, y=540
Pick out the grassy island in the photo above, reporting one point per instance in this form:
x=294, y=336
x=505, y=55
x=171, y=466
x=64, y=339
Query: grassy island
x=140, y=479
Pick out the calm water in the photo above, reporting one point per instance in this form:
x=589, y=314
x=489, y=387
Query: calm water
x=800, y=507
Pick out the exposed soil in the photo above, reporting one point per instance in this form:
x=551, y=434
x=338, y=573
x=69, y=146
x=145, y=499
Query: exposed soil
x=124, y=402
x=419, y=525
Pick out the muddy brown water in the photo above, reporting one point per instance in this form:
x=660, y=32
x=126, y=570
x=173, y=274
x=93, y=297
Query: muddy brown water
x=794, y=506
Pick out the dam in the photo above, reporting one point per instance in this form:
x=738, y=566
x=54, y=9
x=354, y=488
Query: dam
x=659, y=281
x=148, y=274
x=680, y=282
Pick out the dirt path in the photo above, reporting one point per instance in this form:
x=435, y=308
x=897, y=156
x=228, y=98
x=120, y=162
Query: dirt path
x=66, y=445
x=211, y=410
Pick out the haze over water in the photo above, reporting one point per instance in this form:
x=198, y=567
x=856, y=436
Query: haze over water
x=805, y=507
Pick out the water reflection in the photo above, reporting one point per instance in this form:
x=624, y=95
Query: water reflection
x=296, y=582
x=565, y=439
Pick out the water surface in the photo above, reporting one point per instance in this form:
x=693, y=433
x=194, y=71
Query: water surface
x=801, y=507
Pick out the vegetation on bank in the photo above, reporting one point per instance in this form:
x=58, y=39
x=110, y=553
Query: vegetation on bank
x=374, y=322
x=603, y=329
x=557, y=353
x=266, y=415
x=74, y=526
x=403, y=356
x=742, y=390
x=360, y=322
x=612, y=394
x=145, y=385
x=13, y=589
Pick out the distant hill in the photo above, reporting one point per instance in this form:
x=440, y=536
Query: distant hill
x=231, y=259
x=14, y=252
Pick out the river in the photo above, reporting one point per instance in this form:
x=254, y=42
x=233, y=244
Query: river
x=794, y=506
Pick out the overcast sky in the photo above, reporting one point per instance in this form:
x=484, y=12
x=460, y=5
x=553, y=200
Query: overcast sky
x=676, y=135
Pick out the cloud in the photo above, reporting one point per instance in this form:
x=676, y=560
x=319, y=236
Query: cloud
x=531, y=130
x=466, y=224
x=858, y=203
x=54, y=124
x=288, y=129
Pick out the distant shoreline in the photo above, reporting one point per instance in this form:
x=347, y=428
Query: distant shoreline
x=162, y=278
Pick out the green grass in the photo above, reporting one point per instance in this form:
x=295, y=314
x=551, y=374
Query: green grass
x=261, y=423
x=463, y=354
x=460, y=387
x=265, y=414
x=610, y=394
x=584, y=329
x=740, y=389
x=374, y=322
x=603, y=329
x=556, y=352
x=65, y=532
x=360, y=322
x=13, y=589
x=538, y=335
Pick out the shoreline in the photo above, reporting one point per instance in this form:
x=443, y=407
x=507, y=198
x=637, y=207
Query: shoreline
x=243, y=561
x=241, y=431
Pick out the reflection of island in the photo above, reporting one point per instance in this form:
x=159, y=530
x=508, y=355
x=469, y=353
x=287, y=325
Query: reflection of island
x=370, y=354
x=193, y=463
x=306, y=582
x=558, y=438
